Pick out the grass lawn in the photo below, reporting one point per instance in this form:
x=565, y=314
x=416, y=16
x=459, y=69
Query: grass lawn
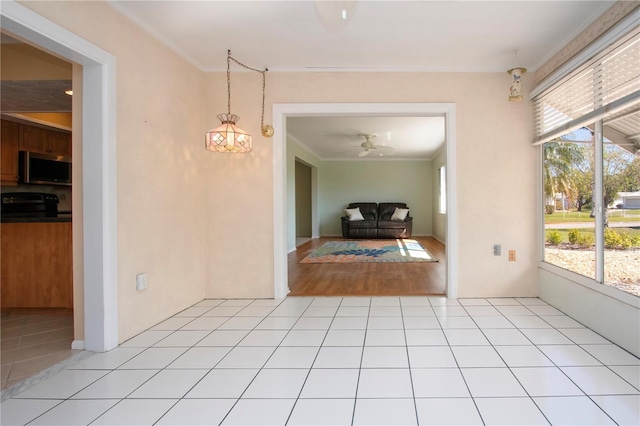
x=615, y=215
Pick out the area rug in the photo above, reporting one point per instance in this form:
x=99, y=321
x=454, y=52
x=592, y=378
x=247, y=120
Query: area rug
x=357, y=251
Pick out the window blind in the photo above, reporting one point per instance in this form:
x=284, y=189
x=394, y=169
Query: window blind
x=604, y=85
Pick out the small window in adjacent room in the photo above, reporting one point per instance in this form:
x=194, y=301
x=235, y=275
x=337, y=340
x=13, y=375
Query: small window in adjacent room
x=443, y=190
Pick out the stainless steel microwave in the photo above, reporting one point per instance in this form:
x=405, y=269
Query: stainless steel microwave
x=36, y=168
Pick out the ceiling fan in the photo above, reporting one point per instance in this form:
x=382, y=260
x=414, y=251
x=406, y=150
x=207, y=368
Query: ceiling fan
x=368, y=146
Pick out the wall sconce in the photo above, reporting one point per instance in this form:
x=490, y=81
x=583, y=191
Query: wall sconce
x=228, y=137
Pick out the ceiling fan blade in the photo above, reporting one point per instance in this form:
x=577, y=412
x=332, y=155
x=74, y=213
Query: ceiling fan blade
x=350, y=150
x=364, y=153
x=384, y=147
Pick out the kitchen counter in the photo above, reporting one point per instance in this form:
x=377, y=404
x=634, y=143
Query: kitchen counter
x=59, y=218
x=37, y=263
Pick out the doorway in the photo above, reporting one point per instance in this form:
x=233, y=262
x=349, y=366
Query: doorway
x=303, y=202
x=98, y=197
x=280, y=114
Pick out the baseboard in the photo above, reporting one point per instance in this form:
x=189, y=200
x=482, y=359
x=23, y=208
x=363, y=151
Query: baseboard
x=439, y=239
x=421, y=235
x=332, y=235
x=77, y=345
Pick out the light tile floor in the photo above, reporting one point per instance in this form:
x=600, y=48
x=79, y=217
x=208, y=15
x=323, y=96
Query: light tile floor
x=342, y=361
x=33, y=340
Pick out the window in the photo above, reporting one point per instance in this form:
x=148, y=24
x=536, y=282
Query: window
x=588, y=127
x=443, y=190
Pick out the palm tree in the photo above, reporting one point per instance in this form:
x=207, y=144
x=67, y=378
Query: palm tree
x=560, y=160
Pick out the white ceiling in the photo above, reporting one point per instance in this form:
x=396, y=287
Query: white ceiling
x=473, y=36
x=412, y=138
x=478, y=36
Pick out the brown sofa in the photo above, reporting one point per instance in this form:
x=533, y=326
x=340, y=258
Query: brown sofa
x=377, y=222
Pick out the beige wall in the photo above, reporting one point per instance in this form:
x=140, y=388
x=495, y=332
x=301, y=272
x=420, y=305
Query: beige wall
x=188, y=217
x=496, y=182
x=161, y=164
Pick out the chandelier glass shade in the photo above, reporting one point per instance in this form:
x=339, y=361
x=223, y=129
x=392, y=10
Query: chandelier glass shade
x=228, y=137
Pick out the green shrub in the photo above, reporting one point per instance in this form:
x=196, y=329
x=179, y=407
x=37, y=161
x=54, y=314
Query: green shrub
x=585, y=240
x=625, y=241
x=554, y=237
x=549, y=209
x=611, y=238
x=635, y=240
x=574, y=236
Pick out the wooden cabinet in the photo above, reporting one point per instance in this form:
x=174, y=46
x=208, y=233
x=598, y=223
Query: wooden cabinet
x=9, y=154
x=37, y=265
x=45, y=141
x=60, y=143
x=23, y=137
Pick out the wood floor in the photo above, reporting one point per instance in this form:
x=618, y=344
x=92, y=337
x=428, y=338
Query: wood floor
x=367, y=279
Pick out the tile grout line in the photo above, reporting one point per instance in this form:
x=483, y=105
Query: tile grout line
x=193, y=346
x=314, y=358
x=366, y=330
x=406, y=346
x=550, y=360
x=464, y=379
x=507, y=365
x=266, y=361
x=231, y=350
x=326, y=332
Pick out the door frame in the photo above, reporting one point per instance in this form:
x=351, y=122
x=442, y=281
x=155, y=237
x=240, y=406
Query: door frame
x=99, y=166
x=280, y=114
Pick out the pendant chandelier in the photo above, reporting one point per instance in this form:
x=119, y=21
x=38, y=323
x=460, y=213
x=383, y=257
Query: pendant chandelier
x=228, y=137
x=515, y=91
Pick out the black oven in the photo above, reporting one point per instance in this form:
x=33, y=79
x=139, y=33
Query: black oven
x=28, y=204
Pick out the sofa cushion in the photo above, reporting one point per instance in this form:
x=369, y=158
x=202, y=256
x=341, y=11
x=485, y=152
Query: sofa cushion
x=385, y=210
x=369, y=210
x=363, y=224
x=354, y=214
x=399, y=214
x=385, y=224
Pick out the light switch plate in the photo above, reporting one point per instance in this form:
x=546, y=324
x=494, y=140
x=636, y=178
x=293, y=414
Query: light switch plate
x=141, y=282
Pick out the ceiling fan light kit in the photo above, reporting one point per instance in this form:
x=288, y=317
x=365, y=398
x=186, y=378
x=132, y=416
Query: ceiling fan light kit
x=368, y=147
x=335, y=14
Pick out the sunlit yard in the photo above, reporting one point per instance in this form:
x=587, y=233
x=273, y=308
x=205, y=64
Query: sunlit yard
x=617, y=215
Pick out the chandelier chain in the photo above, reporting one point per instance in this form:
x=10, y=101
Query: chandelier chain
x=263, y=72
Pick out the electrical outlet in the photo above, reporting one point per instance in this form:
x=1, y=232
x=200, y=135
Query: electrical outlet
x=497, y=250
x=141, y=282
x=512, y=255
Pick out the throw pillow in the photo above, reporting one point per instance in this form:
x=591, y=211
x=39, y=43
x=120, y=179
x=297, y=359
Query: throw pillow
x=354, y=214
x=399, y=214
